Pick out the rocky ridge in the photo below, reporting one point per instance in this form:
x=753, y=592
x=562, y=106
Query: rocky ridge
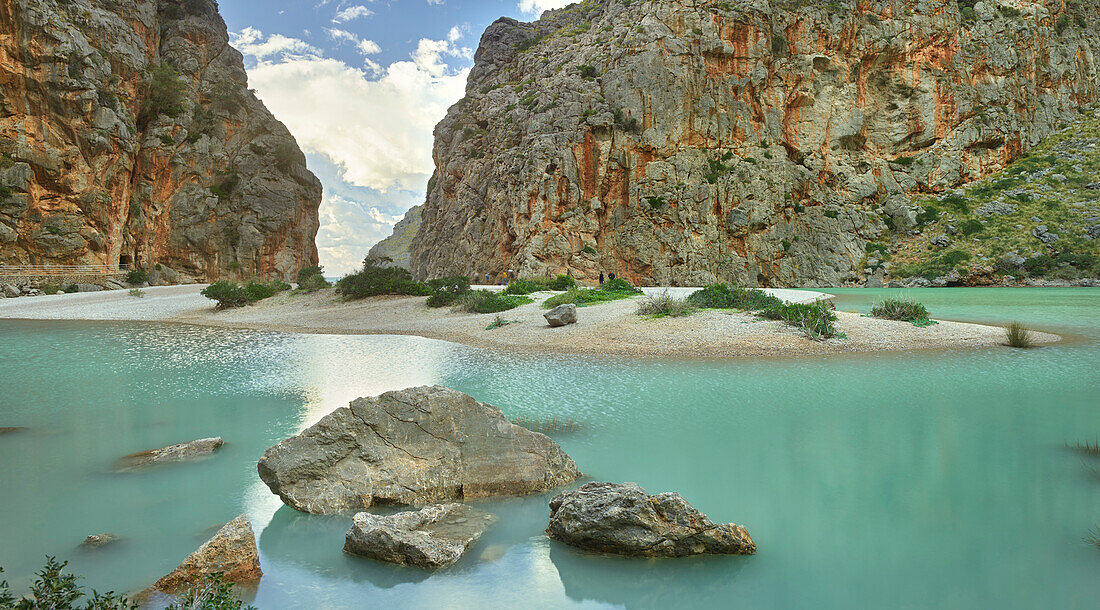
x=128, y=135
x=762, y=143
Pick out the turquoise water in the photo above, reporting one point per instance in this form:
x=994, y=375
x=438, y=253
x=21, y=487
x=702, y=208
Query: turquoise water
x=934, y=479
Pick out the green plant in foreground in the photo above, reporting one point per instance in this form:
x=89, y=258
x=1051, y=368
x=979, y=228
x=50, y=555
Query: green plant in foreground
x=816, y=320
x=305, y=273
x=499, y=322
x=906, y=310
x=665, y=305
x=137, y=292
x=1018, y=335
x=213, y=593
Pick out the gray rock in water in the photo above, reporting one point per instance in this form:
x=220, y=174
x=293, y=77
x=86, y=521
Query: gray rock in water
x=98, y=540
x=415, y=446
x=623, y=519
x=561, y=315
x=432, y=537
x=171, y=453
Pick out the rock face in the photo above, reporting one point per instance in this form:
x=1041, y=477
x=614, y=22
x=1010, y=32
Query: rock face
x=128, y=134
x=432, y=537
x=232, y=551
x=561, y=315
x=397, y=246
x=762, y=143
x=624, y=520
x=173, y=453
x=413, y=447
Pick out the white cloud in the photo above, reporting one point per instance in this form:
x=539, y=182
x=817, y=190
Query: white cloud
x=250, y=41
x=536, y=7
x=348, y=228
x=342, y=36
x=352, y=12
x=368, y=47
x=376, y=123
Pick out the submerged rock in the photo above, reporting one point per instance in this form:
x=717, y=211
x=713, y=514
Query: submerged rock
x=415, y=446
x=561, y=315
x=172, y=453
x=623, y=519
x=232, y=551
x=98, y=540
x=432, y=537
x=11, y=429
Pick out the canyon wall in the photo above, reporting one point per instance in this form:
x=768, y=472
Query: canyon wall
x=763, y=143
x=128, y=134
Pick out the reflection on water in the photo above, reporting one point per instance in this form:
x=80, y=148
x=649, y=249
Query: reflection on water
x=933, y=479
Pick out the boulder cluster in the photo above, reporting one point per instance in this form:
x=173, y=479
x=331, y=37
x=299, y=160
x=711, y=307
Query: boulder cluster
x=433, y=448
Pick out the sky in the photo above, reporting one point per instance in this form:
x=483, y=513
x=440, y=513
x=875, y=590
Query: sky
x=361, y=85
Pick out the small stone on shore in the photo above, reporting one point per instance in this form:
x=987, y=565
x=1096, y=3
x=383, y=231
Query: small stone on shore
x=561, y=315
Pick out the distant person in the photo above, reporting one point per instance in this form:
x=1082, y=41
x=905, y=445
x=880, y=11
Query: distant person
x=488, y=279
x=601, y=277
x=612, y=276
x=504, y=279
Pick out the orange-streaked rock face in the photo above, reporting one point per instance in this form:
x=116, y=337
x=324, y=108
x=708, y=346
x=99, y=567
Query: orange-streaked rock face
x=98, y=168
x=679, y=142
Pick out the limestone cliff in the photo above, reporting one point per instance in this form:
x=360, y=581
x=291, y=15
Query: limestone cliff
x=129, y=135
x=397, y=246
x=764, y=143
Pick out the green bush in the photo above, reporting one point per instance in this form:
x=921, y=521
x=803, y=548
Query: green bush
x=1018, y=335
x=816, y=320
x=972, y=226
x=375, y=279
x=1040, y=265
x=933, y=268
x=562, y=282
x=314, y=283
x=906, y=310
x=71, y=288
x=447, y=290
x=231, y=294
x=619, y=285
x=487, y=301
x=442, y=299
x=51, y=288
x=611, y=290
x=307, y=272
x=137, y=276
x=723, y=296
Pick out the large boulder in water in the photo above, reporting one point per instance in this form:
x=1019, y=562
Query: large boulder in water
x=232, y=552
x=416, y=446
x=623, y=519
x=432, y=537
x=179, y=452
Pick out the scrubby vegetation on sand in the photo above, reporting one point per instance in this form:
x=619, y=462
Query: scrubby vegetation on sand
x=665, y=305
x=447, y=290
x=724, y=296
x=487, y=301
x=312, y=279
x=56, y=590
x=905, y=310
x=816, y=320
x=611, y=290
x=233, y=294
x=378, y=278
x=529, y=285
x=1018, y=335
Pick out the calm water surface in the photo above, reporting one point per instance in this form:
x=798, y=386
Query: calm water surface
x=920, y=480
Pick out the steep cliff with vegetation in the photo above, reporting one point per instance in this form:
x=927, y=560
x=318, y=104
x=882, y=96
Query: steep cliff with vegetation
x=128, y=134
x=763, y=143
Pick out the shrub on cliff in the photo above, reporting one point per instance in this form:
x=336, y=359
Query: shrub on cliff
x=724, y=296
x=165, y=94
x=816, y=320
x=376, y=279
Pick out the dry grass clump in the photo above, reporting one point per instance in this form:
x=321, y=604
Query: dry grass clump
x=1018, y=335
x=1086, y=447
x=905, y=310
x=547, y=426
x=663, y=305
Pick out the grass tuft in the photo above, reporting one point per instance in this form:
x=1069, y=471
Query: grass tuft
x=611, y=290
x=1086, y=447
x=816, y=320
x=487, y=301
x=905, y=310
x=724, y=296
x=665, y=305
x=1018, y=335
